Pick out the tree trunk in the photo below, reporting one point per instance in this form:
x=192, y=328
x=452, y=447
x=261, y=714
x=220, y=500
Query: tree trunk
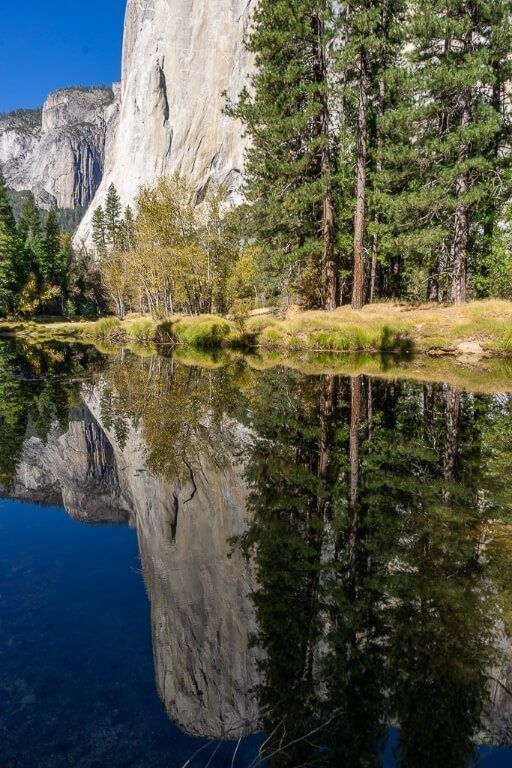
x=353, y=486
x=329, y=260
x=433, y=281
x=324, y=449
x=453, y=407
x=378, y=165
x=460, y=246
x=359, y=223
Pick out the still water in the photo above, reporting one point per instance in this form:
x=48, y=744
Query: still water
x=225, y=562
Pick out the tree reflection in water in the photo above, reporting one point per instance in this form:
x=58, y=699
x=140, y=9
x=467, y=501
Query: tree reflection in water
x=377, y=602
x=379, y=516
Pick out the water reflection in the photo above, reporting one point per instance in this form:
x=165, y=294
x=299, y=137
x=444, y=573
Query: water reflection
x=376, y=603
x=326, y=557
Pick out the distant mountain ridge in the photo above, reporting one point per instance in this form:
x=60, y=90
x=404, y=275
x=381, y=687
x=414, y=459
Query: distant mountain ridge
x=58, y=152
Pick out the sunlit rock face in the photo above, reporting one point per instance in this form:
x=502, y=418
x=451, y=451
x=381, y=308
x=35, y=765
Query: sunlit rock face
x=59, y=153
x=202, y=615
x=179, y=57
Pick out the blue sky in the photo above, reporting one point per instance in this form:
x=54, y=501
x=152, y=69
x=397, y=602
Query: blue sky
x=57, y=43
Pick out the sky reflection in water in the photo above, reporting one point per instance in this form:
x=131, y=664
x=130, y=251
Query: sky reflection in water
x=322, y=555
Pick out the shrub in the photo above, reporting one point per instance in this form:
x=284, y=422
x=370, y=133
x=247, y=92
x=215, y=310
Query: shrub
x=105, y=328
x=203, y=332
x=165, y=333
x=143, y=330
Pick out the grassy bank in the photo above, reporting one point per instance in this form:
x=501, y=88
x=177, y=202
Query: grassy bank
x=478, y=329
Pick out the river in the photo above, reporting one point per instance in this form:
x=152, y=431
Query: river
x=222, y=561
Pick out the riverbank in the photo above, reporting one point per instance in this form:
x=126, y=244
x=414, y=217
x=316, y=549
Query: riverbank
x=476, y=330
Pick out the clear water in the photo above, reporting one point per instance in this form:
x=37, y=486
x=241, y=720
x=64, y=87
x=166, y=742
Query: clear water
x=208, y=564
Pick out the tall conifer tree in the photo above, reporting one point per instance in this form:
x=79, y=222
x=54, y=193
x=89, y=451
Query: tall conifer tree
x=98, y=232
x=289, y=175
x=369, y=34
x=6, y=214
x=113, y=217
x=445, y=166
x=29, y=225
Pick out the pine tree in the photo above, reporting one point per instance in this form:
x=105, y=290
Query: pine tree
x=289, y=175
x=98, y=232
x=51, y=247
x=29, y=224
x=52, y=234
x=370, y=39
x=63, y=268
x=446, y=167
x=9, y=277
x=112, y=217
x=6, y=214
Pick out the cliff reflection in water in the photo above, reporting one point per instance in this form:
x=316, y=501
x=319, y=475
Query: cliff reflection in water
x=325, y=556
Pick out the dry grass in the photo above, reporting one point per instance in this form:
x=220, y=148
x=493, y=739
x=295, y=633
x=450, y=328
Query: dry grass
x=486, y=326
x=393, y=327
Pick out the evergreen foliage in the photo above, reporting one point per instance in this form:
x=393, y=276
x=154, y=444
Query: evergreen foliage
x=98, y=232
x=6, y=212
x=288, y=170
x=418, y=133
x=112, y=218
x=29, y=224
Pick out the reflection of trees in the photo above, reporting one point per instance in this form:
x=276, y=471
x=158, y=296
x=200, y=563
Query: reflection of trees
x=374, y=601
x=36, y=390
x=179, y=410
x=373, y=507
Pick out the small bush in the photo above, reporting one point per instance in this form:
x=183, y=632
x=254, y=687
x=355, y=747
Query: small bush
x=207, y=333
x=105, y=328
x=143, y=330
x=165, y=333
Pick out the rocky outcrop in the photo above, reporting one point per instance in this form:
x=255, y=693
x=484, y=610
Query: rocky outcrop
x=179, y=57
x=59, y=152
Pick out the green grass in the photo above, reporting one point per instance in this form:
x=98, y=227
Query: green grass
x=481, y=329
x=504, y=342
x=143, y=330
x=204, y=332
x=106, y=328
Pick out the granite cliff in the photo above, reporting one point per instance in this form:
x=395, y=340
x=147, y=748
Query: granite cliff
x=59, y=152
x=179, y=58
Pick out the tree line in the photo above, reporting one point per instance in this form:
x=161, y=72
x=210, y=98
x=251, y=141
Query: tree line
x=173, y=255
x=378, y=166
x=39, y=272
x=378, y=160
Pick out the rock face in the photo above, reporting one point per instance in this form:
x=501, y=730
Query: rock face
x=179, y=57
x=59, y=152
